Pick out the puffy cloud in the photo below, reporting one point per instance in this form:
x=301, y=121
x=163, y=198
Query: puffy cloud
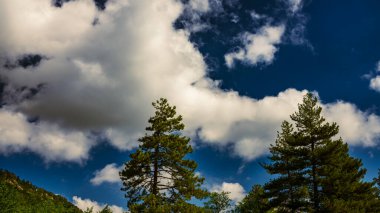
x=48, y=28
x=236, y=191
x=259, y=47
x=48, y=140
x=103, y=78
x=356, y=127
x=252, y=126
x=85, y=204
x=375, y=83
x=110, y=174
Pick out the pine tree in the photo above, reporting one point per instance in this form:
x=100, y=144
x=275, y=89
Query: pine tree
x=316, y=172
x=287, y=192
x=254, y=202
x=343, y=188
x=315, y=144
x=106, y=209
x=158, y=178
x=335, y=179
x=218, y=202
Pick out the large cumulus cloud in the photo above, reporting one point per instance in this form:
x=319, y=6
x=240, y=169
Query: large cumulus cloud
x=103, y=69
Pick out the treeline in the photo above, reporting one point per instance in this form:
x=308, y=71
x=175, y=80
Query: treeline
x=311, y=168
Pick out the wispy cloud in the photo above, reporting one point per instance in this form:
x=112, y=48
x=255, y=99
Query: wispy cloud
x=295, y=5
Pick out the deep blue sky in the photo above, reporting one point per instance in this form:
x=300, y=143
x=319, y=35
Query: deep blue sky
x=337, y=47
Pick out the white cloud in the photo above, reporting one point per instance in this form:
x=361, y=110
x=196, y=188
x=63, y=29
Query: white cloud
x=375, y=83
x=48, y=28
x=49, y=140
x=192, y=15
x=236, y=191
x=83, y=204
x=121, y=140
x=110, y=174
x=356, y=127
x=200, y=5
x=104, y=77
x=259, y=47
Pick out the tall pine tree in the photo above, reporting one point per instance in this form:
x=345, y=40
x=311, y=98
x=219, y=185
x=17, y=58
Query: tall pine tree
x=321, y=164
x=158, y=178
x=287, y=192
x=315, y=144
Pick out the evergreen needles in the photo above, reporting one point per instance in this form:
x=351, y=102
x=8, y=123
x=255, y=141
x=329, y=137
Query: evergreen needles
x=158, y=178
x=313, y=169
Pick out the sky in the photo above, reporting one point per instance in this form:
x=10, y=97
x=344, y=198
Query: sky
x=77, y=79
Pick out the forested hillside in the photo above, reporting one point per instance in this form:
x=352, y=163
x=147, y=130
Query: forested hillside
x=21, y=196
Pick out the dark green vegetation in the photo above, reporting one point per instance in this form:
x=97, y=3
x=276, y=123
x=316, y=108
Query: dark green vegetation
x=314, y=171
x=21, y=196
x=218, y=202
x=106, y=209
x=254, y=202
x=158, y=178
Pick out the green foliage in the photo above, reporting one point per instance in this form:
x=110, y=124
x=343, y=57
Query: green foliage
x=254, y=202
x=314, y=171
x=314, y=144
x=287, y=192
x=106, y=209
x=342, y=185
x=21, y=196
x=218, y=202
x=158, y=178
x=89, y=210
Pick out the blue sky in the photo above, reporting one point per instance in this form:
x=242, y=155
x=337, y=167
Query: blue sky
x=78, y=77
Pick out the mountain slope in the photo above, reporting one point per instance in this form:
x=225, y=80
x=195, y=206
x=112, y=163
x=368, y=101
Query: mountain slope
x=17, y=195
